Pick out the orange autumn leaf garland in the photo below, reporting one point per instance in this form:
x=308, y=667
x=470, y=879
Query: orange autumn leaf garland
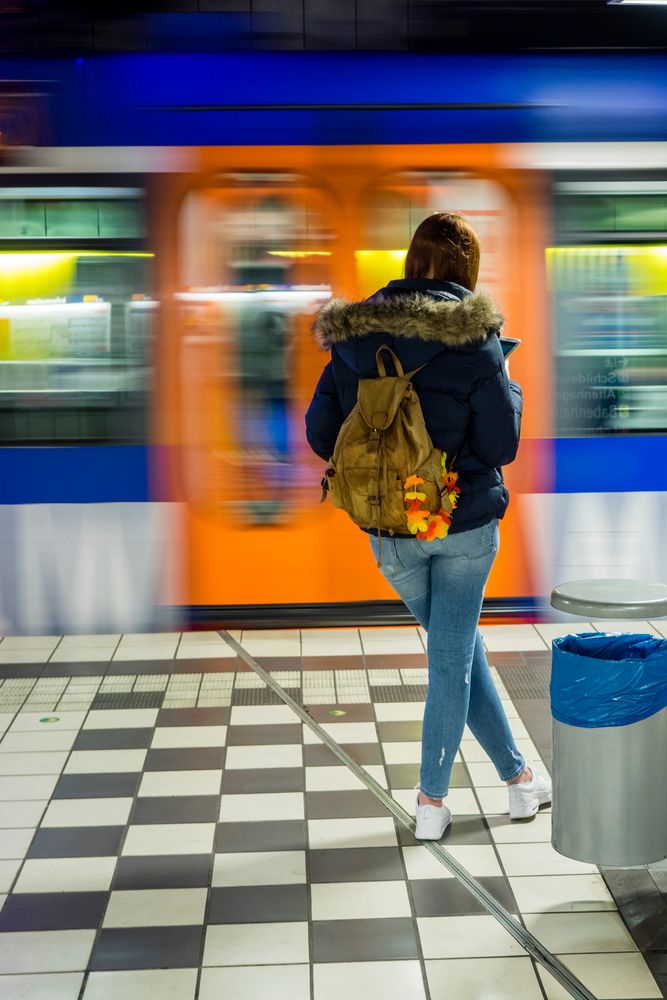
x=420, y=521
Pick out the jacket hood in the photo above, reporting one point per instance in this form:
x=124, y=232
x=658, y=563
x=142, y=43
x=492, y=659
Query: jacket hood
x=434, y=317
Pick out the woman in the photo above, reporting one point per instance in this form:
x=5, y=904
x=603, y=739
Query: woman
x=433, y=317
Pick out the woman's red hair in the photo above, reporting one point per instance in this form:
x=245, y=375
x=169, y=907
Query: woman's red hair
x=445, y=247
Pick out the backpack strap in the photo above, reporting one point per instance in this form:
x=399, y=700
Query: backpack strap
x=382, y=371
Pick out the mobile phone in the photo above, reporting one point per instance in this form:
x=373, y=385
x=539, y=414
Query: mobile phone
x=508, y=345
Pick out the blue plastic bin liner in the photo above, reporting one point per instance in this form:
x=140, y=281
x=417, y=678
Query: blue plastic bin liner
x=601, y=679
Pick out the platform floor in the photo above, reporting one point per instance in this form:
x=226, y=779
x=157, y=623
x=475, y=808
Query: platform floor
x=169, y=829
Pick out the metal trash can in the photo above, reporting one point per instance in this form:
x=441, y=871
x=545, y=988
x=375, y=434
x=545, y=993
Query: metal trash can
x=609, y=708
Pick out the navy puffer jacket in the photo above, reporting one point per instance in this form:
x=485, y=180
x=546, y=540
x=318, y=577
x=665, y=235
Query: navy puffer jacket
x=472, y=410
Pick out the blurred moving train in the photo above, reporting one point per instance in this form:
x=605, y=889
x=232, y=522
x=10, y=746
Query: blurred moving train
x=168, y=226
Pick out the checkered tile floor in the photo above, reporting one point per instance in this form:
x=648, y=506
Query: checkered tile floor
x=167, y=829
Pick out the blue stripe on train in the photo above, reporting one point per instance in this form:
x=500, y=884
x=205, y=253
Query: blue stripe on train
x=628, y=464
x=87, y=474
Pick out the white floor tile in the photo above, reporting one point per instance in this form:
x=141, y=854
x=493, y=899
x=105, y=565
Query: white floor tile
x=494, y=801
x=238, y=944
x=106, y=639
x=379, y=647
x=205, y=651
x=141, y=652
x=8, y=869
x=279, y=982
x=156, y=908
x=66, y=875
x=622, y=625
x=540, y=859
x=478, y=859
x=473, y=936
x=103, y=761
x=43, y=742
x=261, y=715
x=553, y=630
x=403, y=752
x=142, y=984
x=15, y=843
x=484, y=775
x=608, y=977
x=352, y=901
x=329, y=779
x=272, y=647
x=32, y=763
x=172, y=737
x=376, y=831
x=168, y=783
x=503, y=642
x=31, y=641
x=31, y=722
x=6, y=719
x=169, y=838
x=82, y=654
x=660, y=626
x=45, y=951
x=536, y=831
x=399, y=711
x=128, y=718
x=366, y=980
x=16, y=788
x=344, y=732
x=246, y=757
x=568, y=933
x=260, y=808
x=562, y=893
x=384, y=677
x=88, y=812
x=21, y=814
x=149, y=638
x=490, y=978
x=60, y=986
x=260, y=868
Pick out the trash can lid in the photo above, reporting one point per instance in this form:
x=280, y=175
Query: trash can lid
x=611, y=598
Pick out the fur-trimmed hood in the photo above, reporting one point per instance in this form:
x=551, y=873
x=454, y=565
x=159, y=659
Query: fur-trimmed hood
x=432, y=316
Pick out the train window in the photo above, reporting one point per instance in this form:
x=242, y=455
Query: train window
x=608, y=277
x=255, y=264
x=395, y=208
x=75, y=316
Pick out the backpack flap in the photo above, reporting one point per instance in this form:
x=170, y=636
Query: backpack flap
x=380, y=398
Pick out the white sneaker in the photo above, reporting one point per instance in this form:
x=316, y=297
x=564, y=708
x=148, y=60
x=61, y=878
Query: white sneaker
x=526, y=797
x=432, y=821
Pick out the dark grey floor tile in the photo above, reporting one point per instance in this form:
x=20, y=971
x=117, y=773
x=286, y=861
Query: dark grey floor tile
x=660, y=879
x=446, y=897
x=113, y=739
x=14, y=670
x=97, y=786
x=124, y=667
x=204, y=665
x=317, y=754
x=53, y=911
x=390, y=693
x=335, y=805
x=178, y=871
x=78, y=669
x=176, y=809
x=395, y=661
x=629, y=884
x=280, y=835
x=266, y=779
x=351, y=713
x=407, y=776
x=262, y=696
x=128, y=699
x=387, y=939
x=392, y=732
x=238, y=736
x=147, y=948
x=646, y=919
x=356, y=864
x=279, y=662
x=254, y=904
x=462, y=830
x=193, y=717
x=332, y=662
x=77, y=842
x=185, y=759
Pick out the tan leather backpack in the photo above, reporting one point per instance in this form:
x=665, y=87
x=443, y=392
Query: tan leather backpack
x=383, y=443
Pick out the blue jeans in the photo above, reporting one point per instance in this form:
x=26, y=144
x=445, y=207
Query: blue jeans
x=442, y=583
